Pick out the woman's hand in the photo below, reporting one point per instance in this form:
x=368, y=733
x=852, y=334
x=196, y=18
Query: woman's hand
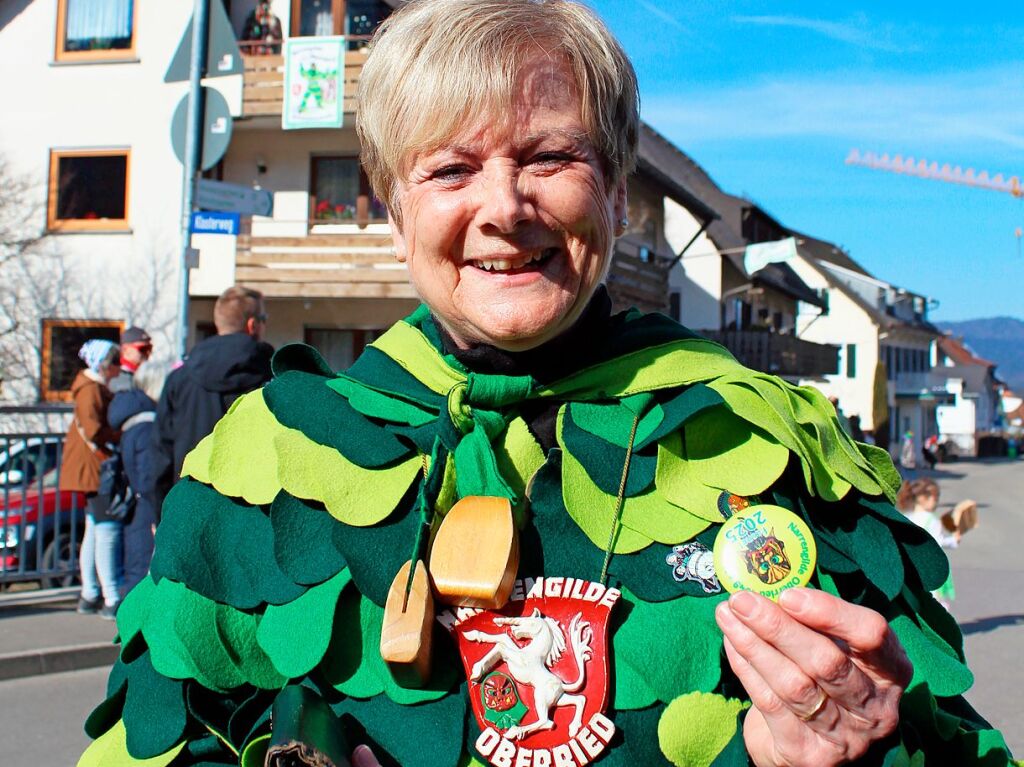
x=824, y=676
x=362, y=756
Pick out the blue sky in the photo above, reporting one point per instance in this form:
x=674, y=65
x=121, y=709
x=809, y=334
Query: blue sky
x=770, y=97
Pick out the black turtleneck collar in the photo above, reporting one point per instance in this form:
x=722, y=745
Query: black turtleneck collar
x=553, y=360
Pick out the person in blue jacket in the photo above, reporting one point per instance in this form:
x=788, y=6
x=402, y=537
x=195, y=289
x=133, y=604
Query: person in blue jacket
x=134, y=412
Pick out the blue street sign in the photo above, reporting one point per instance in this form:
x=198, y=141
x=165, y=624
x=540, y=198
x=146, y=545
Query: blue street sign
x=205, y=222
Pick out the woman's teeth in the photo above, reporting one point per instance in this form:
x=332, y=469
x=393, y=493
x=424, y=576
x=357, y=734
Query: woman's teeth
x=511, y=264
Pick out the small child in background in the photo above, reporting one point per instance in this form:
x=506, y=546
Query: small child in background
x=918, y=500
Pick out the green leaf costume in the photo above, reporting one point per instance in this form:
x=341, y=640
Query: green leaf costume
x=277, y=548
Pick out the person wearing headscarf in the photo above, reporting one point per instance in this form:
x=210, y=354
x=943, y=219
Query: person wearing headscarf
x=470, y=547
x=86, y=446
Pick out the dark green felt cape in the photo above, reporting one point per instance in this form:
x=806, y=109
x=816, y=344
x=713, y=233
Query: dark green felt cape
x=277, y=549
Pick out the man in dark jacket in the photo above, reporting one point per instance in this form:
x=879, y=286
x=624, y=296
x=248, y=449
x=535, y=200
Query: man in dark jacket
x=216, y=372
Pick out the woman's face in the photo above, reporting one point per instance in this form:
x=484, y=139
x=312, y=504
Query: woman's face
x=507, y=232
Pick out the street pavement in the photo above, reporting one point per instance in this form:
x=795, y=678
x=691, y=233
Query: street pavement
x=42, y=715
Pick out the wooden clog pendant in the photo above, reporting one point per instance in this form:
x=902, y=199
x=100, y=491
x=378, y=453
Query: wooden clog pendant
x=475, y=554
x=407, y=630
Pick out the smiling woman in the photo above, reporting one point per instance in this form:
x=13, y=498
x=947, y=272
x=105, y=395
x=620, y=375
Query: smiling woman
x=489, y=540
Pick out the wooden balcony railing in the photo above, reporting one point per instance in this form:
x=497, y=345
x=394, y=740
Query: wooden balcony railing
x=263, y=84
x=779, y=354
x=322, y=266
x=638, y=278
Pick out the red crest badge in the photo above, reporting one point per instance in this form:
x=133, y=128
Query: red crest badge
x=538, y=672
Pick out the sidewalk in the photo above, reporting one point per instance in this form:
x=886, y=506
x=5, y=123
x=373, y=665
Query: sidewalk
x=40, y=633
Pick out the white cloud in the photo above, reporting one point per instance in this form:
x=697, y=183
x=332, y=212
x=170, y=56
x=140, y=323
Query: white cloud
x=654, y=10
x=856, y=31
x=871, y=111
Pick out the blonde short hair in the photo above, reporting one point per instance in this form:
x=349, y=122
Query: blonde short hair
x=436, y=65
x=150, y=377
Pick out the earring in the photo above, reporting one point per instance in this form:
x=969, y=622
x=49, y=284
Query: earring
x=624, y=223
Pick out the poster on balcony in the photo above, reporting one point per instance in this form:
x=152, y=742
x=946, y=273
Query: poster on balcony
x=314, y=82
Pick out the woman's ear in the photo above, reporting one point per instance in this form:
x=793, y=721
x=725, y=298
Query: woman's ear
x=398, y=238
x=621, y=208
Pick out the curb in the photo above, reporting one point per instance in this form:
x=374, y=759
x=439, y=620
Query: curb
x=56, y=660
x=38, y=597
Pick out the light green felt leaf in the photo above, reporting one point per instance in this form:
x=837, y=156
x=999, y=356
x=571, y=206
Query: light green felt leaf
x=679, y=483
x=131, y=615
x=243, y=463
x=519, y=456
x=352, y=494
x=296, y=635
x=196, y=626
x=111, y=750
x=237, y=629
x=197, y=462
x=652, y=516
x=594, y=511
x=727, y=452
x=167, y=652
x=694, y=728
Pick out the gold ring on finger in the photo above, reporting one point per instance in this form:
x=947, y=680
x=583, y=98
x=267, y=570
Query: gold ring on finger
x=822, y=702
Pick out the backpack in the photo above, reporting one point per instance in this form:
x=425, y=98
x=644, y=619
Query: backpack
x=115, y=500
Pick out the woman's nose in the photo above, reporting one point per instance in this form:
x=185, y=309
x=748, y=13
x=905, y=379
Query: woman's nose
x=504, y=205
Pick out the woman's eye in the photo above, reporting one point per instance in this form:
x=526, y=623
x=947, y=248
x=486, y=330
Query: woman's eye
x=450, y=173
x=551, y=158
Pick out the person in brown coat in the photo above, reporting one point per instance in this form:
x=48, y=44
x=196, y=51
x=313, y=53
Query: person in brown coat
x=85, y=448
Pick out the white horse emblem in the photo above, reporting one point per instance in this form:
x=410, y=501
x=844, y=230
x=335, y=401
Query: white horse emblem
x=530, y=664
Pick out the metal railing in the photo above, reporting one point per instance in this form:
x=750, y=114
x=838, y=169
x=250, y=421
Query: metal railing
x=41, y=526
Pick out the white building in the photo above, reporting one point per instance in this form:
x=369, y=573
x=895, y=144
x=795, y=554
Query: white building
x=976, y=410
x=886, y=345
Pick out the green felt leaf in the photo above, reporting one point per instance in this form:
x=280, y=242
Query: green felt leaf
x=735, y=752
x=679, y=483
x=134, y=608
x=604, y=460
x=383, y=405
x=649, y=575
x=679, y=409
x=238, y=632
x=675, y=646
x=353, y=664
x=612, y=422
x=425, y=736
x=304, y=402
x=305, y=540
x=111, y=750
x=108, y=713
x=885, y=471
x=154, y=710
x=296, y=635
x=255, y=752
x=637, y=743
x=934, y=661
x=653, y=517
x=235, y=560
x=695, y=728
x=197, y=460
x=167, y=651
x=243, y=462
x=352, y=494
x=727, y=452
x=519, y=456
x=196, y=626
x=594, y=511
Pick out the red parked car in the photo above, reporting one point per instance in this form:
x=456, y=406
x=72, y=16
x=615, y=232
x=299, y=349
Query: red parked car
x=41, y=527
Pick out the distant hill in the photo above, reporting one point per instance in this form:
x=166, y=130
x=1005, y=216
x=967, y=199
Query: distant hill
x=999, y=339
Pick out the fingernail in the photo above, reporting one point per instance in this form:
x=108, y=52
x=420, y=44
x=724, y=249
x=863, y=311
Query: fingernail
x=743, y=603
x=793, y=599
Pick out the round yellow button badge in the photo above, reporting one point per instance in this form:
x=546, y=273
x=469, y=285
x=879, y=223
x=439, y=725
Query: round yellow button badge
x=766, y=549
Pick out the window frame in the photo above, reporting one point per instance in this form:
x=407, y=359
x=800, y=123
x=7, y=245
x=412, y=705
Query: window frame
x=47, y=325
x=54, y=224
x=363, y=199
x=337, y=17
x=105, y=54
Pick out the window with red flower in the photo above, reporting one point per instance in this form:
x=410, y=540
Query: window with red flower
x=337, y=184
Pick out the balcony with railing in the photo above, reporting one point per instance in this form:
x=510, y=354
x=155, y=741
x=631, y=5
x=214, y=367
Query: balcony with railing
x=778, y=353
x=263, y=83
x=638, y=277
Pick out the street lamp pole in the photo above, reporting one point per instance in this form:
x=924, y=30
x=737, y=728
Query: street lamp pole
x=193, y=156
